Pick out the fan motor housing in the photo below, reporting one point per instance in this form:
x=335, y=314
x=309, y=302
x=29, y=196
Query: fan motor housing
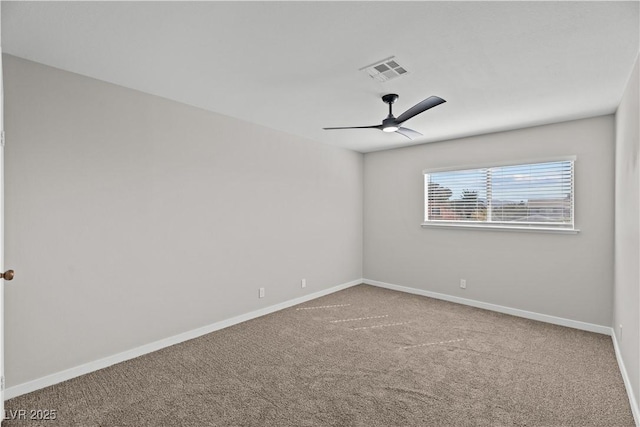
x=389, y=121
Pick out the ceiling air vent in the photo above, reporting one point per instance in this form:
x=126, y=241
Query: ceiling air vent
x=386, y=69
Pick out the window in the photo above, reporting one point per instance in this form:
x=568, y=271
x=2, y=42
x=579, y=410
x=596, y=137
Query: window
x=534, y=196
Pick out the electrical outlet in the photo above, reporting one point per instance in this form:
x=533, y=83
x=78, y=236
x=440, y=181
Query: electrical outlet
x=303, y=283
x=261, y=293
x=463, y=283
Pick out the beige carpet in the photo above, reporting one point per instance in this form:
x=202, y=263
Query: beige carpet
x=364, y=356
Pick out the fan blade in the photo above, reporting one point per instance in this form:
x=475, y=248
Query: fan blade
x=420, y=107
x=357, y=127
x=409, y=133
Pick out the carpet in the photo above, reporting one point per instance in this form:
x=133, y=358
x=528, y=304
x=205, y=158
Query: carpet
x=364, y=356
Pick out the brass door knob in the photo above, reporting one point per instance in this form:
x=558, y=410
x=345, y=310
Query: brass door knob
x=7, y=275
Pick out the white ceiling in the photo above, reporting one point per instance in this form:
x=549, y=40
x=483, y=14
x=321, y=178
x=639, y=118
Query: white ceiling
x=293, y=66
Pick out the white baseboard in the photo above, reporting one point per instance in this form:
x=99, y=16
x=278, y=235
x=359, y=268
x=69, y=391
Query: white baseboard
x=627, y=382
x=606, y=330
x=86, y=368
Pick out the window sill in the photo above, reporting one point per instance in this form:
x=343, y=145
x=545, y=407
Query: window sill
x=502, y=228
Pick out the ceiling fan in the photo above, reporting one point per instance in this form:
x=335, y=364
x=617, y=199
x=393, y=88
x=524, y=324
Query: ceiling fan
x=392, y=124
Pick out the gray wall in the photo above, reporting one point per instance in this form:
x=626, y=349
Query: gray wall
x=627, y=231
x=568, y=276
x=131, y=218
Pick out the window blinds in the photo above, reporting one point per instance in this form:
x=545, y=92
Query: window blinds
x=536, y=194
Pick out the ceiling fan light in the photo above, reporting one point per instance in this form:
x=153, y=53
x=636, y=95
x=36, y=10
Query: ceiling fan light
x=390, y=128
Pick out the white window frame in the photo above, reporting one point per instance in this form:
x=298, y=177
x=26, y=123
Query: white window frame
x=502, y=226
